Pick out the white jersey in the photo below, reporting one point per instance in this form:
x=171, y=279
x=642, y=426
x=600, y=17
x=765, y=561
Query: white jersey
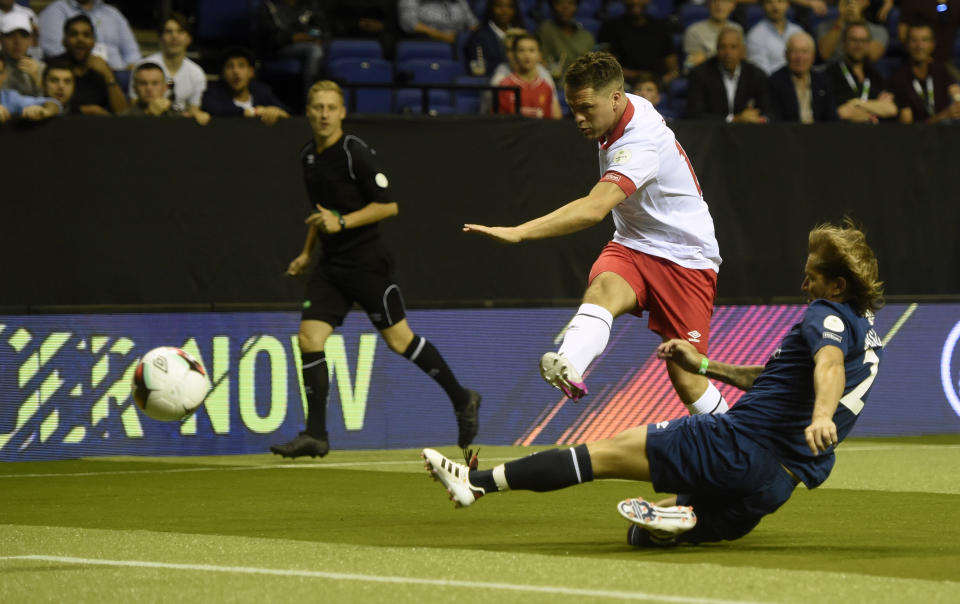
x=664, y=213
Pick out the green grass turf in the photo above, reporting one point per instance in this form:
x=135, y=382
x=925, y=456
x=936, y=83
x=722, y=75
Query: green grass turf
x=884, y=527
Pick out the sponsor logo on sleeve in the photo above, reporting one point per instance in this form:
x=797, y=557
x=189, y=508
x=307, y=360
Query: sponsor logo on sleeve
x=829, y=335
x=611, y=177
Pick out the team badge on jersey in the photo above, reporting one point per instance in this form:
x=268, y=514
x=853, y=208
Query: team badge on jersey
x=621, y=157
x=833, y=323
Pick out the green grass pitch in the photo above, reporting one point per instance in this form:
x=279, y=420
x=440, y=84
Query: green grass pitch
x=369, y=526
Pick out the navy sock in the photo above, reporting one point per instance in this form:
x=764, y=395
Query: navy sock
x=544, y=471
x=425, y=355
x=316, y=383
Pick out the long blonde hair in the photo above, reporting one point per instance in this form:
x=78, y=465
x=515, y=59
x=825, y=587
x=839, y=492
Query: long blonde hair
x=842, y=252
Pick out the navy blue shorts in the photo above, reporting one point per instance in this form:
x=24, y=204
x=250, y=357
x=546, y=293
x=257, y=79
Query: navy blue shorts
x=730, y=480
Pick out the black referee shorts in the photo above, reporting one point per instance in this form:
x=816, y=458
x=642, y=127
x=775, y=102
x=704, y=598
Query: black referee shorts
x=363, y=275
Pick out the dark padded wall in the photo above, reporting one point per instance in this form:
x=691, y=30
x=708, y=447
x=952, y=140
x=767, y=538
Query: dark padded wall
x=141, y=211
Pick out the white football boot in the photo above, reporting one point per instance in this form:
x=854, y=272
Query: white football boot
x=558, y=371
x=454, y=476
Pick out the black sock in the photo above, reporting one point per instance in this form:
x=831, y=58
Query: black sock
x=424, y=355
x=544, y=471
x=316, y=383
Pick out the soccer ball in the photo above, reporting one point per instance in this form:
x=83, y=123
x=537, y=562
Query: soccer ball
x=169, y=384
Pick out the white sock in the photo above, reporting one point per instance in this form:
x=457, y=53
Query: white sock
x=711, y=401
x=500, y=477
x=586, y=336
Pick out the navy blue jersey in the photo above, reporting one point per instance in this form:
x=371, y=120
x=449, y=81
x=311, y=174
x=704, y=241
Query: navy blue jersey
x=779, y=405
x=344, y=177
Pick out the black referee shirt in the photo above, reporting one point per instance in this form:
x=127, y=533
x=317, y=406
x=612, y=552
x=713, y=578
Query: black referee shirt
x=344, y=178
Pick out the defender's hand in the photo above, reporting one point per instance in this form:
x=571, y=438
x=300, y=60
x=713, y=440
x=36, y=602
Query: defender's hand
x=682, y=353
x=501, y=234
x=821, y=434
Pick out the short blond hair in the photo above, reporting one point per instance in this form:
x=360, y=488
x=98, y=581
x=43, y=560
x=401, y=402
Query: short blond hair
x=842, y=251
x=325, y=86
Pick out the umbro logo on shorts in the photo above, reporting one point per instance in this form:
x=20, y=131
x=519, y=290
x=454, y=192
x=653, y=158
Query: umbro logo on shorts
x=694, y=336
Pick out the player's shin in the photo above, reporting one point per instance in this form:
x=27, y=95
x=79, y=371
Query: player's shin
x=544, y=471
x=586, y=336
x=710, y=402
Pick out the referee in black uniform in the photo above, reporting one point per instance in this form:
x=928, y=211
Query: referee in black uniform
x=351, y=195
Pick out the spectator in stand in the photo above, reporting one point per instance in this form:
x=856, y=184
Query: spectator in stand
x=510, y=64
x=941, y=16
x=798, y=93
x=700, y=39
x=150, y=92
x=365, y=19
x=185, y=79
x=858, y=88
x=96, y=89
x=9, y=7
x=727, y=87
x=485, y=48
x=436, y=19
x=924, y=89
x=13, y=104
x=640, y=43
x=23, y=71
x=294, y=29
x=563, y=39
x=767, y=40
x=238, y=94
x=115, y=42
x=537, y=98
x=830, y=42
x=59, y=84
x=648, y=87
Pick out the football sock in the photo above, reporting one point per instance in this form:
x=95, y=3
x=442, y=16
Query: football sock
x=543, y=471
x=424, y=355
x=316, y=383
x=586, y=336
x=710, y=402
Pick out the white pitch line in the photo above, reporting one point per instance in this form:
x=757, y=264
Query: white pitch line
x=356, y=464
x=286, y=466
x=250, y=570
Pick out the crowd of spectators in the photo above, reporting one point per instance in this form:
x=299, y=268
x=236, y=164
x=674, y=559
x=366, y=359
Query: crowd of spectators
x=745, y=61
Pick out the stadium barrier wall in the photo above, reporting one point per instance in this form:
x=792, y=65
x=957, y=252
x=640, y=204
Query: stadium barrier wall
x=65, y=383
x=152, y=211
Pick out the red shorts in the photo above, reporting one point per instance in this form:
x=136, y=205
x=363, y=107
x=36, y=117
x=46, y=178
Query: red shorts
x=679, y=300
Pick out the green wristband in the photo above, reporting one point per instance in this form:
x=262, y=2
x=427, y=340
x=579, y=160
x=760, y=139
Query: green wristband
x=704, y=363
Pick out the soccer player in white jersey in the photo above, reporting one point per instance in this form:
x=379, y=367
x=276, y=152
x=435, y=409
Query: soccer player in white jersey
x=664, y=256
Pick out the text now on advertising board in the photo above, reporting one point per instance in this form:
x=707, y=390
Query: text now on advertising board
x=65, y=379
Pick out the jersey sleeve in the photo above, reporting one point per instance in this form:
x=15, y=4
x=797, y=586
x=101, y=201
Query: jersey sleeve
x=823, y=325
x=365, y=171
x=631, y=165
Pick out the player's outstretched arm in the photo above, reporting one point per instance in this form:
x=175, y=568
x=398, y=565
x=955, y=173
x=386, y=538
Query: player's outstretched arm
x=689, y=359
x=570, y=218
x=829, y=379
